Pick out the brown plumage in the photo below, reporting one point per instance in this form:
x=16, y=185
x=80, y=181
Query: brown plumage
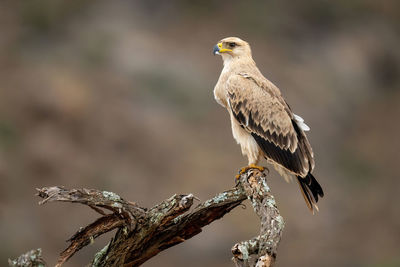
x=262, y=122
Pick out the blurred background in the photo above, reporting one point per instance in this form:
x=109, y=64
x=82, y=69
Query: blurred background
x=117, y=96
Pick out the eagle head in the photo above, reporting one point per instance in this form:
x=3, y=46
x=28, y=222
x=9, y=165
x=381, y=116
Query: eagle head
x=232, y=47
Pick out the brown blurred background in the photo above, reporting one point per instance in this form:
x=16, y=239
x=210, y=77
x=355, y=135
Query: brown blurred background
x=117, y=95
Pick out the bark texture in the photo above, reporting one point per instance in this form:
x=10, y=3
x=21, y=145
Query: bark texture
x=143, y=233
x=264, y=246
x=31, y=258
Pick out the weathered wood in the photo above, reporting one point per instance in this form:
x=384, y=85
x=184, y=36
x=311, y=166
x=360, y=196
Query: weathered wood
x=153, y=237
x=31, y=258
x=143, y=233
x=97, y=200
x=125, y=214
x=266, y=244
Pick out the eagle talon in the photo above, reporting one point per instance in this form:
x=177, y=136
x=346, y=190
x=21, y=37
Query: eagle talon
x=251, y=166
x=237, y=181
x=260, y=168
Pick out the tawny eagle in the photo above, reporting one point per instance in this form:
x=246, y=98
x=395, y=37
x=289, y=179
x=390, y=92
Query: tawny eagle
x=262, y=122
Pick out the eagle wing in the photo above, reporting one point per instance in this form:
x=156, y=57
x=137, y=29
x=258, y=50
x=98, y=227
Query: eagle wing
x=260, y=109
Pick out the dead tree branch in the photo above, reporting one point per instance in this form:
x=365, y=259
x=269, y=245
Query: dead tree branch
x=142, y=234
x=31, y=258
x=266, y=244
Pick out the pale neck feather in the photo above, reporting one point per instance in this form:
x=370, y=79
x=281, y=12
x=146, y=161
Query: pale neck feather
x=238, y=64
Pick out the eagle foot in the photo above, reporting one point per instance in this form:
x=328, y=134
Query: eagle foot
x=245, y=169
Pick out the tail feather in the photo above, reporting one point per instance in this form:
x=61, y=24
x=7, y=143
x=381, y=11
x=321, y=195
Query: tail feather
x=311, y=191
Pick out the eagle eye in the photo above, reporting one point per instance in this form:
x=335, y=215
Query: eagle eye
x=232, y=45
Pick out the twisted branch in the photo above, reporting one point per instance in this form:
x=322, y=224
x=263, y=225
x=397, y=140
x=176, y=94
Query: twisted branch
x=143, y=233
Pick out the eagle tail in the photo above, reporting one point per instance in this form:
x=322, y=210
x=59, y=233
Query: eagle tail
x=311, y=190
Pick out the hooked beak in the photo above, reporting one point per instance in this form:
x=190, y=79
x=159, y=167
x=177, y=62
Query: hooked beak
x=217, y=50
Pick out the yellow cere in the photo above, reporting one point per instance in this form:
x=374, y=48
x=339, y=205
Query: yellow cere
x=222, y=50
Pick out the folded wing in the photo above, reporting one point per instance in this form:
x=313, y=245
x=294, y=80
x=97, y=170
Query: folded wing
x=260, y=109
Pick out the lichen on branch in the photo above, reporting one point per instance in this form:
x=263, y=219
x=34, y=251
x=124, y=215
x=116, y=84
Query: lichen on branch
x=143, y=233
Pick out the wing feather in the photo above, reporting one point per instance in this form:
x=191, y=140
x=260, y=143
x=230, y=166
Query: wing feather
x=261, y=110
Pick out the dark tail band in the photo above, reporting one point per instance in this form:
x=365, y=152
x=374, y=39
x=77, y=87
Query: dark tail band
x=311, y=190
